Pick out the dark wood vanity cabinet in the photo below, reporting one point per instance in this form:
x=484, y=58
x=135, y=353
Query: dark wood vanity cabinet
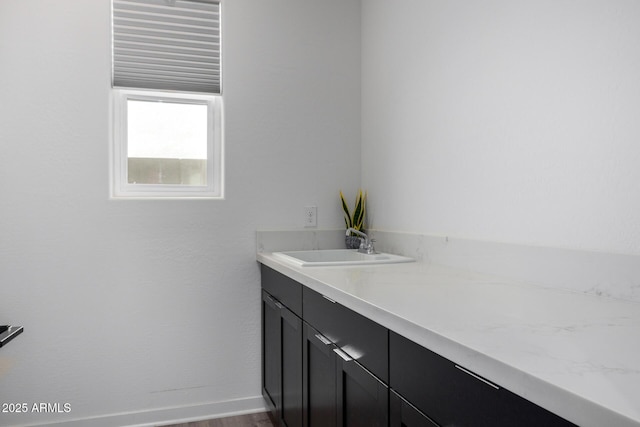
x=284, y=289
x=362, y=398
x=355, y=348
x=319, y=393
x=404, y=414
x=454, y=396
x=271, y=354
x=361, y=338
x=325, y=365
x=282, y=361
x=337, y=390
x=282, y=348
x=317, y=372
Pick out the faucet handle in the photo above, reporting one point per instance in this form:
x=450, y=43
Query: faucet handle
x=366, y=246
x=371, y=249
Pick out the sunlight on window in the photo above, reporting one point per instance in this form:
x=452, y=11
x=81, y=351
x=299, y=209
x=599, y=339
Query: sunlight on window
x=167, y=130
x=166, y=143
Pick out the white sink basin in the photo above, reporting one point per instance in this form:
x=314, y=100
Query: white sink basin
x=327, y=257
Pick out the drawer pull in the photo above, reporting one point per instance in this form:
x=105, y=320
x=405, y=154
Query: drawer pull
x=324, y=340
x=274, y=301
x=344, y=356
x=477, y=377
x=328, y=299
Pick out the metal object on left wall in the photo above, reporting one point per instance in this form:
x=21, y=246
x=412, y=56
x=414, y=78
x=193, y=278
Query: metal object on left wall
x=8, y=332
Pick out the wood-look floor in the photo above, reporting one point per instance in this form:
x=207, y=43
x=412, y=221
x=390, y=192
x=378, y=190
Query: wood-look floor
x=250, y=420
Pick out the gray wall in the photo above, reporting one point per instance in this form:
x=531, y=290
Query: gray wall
x=501, y=120
x=133, y=306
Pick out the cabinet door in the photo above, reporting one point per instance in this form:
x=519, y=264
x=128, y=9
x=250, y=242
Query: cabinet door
x=271, y=354
x=282, y=362
x=403, y=414
x=319, y=380
x=291, y=327
x=362, y=398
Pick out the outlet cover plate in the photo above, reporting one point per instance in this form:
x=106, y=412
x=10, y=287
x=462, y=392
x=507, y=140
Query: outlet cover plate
x=310, y=216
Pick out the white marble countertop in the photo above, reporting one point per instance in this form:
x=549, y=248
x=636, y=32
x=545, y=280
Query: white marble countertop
x=575, y=354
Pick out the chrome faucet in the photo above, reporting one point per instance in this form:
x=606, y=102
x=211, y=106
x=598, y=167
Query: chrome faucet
x=366, y=244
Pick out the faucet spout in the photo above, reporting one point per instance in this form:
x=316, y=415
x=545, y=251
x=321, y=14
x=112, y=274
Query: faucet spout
x=358, y=232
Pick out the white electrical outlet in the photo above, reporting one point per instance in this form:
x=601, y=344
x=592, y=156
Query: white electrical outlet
x=310, y=216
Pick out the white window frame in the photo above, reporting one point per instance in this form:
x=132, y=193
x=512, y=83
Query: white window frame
x=121, y=188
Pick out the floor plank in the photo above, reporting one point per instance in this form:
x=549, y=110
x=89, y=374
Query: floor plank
x=260, y=419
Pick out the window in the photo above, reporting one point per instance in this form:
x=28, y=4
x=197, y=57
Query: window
x=167, y=145
x=167, y=99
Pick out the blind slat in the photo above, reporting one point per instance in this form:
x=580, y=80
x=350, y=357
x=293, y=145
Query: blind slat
x=175, y=51
x=157, y=45
x=185, y=76
x=162, y=22
x=166, y=28
x=188, y=44
x=179, y=60
x=202, y=5
x=163, y=34
x=140, y=7
x=156, y=64
x=177, y=81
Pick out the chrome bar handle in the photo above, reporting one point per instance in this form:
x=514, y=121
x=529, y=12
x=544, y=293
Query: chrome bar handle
x=274, y=301
x=324, y=340
x=329, y=299
x=477, y=377
x=344, y=356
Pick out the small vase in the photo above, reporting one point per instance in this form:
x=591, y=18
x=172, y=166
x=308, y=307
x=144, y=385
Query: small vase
x=352, y=242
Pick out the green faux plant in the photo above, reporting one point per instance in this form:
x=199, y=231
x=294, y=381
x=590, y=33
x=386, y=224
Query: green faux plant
x=354, y=219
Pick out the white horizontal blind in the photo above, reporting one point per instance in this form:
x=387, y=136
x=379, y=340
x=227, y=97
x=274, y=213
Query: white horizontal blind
x=167, y=45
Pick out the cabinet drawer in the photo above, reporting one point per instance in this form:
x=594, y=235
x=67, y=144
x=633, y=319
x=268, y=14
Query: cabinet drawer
x=363, y=339
x=284, y=289
x=452, y=395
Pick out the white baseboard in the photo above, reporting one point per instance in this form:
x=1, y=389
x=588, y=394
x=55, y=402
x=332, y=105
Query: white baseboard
x=167, y=416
